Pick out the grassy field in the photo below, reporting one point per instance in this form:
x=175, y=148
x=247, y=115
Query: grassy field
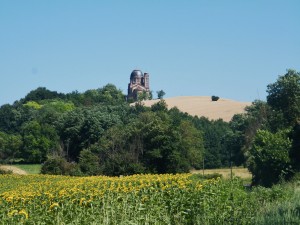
x=240, y=172
x=30, y=168
x=139, y=199
x=22, y=169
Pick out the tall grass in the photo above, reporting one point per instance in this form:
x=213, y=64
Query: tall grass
x=282, y=212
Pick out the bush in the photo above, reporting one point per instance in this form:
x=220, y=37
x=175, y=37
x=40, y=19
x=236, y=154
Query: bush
x=269, y=160
x=2, y=171
x=57, y=165
x=214, y=98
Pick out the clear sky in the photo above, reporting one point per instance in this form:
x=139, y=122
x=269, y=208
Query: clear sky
x=232, y=49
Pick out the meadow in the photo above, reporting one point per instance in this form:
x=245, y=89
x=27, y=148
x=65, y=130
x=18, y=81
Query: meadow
x=137, y=199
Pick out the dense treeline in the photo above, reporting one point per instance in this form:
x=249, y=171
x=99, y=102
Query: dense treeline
x=98, y=132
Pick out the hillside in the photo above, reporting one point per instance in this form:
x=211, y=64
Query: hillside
x=203, y=106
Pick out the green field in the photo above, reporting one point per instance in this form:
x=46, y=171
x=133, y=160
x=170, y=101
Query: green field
x=139, y=199
x=30, y=168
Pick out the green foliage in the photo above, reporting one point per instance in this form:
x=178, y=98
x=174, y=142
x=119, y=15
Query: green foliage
x=42, y=93
x=217, y=151
x=161, y=105
x=10, y=145
x=38, y=141
x=57, y=165
x=82, y=127
x=285, y=210
x=89, y=163
x=284, y=96
x=295, y=150
x=144, y=96
x=160, y=94
x=108, y=94
x=33, y=104
x=269, y=160
x=10, y=118
x=54, y=165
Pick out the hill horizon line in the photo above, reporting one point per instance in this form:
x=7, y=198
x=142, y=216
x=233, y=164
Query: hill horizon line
x=200, y=106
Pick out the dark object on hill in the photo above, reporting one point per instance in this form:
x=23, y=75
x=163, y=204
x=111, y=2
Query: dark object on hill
x=214, y=98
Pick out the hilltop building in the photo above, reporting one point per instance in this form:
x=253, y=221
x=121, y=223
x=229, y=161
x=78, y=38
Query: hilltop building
x=139, y=83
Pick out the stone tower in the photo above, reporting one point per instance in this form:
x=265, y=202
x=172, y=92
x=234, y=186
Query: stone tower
x=139, y=83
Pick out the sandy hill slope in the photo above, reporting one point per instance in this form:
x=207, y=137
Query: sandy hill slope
x=14, y=169
x=204, y=106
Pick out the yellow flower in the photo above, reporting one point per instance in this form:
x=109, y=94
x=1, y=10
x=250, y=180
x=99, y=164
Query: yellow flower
x=13, y=213
x=54, y=206
x=82, y=201
x=23, y=213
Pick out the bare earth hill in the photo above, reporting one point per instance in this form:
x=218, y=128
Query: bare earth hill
x=14, y=169
x=204, y=106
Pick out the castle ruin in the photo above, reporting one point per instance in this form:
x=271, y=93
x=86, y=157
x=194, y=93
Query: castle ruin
x=139, y=84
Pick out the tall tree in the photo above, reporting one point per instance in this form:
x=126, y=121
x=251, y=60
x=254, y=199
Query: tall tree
x=284, y=96
x=160, y=94
x=269, y=159
x=38, y=141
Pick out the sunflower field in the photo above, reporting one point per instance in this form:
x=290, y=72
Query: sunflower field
x=137, y=199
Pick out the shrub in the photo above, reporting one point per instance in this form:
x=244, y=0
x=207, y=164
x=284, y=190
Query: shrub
x=214, y=98
x=57, y=165
x=2, y=171
x=269, y=160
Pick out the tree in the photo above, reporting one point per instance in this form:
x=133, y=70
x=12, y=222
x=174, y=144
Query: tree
x=161, y=105
x=89, y=163
x=191, y=144
x=295, y=151
x=38, y=141
x=284, y=96
x=10, y=146
x=82, y=127
x=269, y=160
x=10, y=118
x=42, y=93
x=143, y=96
x=214, y=98
x=160, y=94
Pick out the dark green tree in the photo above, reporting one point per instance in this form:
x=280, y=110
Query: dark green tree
x=10, y=118
x=89, y=163
x=42, y=93
x=38, y=141
x=295, y=151
x=160, y=94
x=10, y=146
x=269, y=160
x=284, y=96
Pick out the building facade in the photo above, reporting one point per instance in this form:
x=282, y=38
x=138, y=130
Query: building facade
x=139, y=84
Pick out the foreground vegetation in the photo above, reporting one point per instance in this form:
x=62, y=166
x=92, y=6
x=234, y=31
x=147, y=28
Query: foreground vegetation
x=138, y=199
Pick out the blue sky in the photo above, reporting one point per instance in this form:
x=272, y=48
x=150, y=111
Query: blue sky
x=232, y=49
